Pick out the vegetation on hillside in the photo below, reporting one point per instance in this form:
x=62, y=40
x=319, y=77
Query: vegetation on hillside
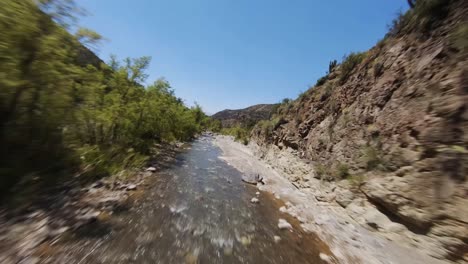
x=57, y=112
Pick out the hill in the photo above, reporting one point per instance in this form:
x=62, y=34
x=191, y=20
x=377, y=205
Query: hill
x=245, y=117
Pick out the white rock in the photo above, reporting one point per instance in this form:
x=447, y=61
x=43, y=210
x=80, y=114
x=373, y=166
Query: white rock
x=257, y=193
x=277, y=239
x=254, y=200
x=152, y=169
x=131, y=187
x=324, y=257
x=283, y=224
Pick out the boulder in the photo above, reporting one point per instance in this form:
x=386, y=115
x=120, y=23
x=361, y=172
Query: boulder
x=252, y=178
x=344, y=197
x=283, y=224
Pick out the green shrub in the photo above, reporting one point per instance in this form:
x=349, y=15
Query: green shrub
x=349, y=63
x=459, y=38
x=332, y=65
x=321, y=171
x=425, y=16
x=341, y=171
x=374, y=159
x=59, y=102
x=321, y=80
x=356, y=180
x=241, y=134
x=326, y=92
x=378, y=69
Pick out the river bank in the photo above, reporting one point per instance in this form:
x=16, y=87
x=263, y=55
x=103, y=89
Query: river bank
x=195, y=210
x=30, y=228
x=350, y=241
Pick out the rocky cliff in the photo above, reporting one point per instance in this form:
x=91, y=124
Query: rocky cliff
x=388, y=128
x=245, y=117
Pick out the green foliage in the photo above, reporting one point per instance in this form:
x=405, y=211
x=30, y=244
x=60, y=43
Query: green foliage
x=241, y=134
x=326, y=92
x=341, y=171
x=321, y=171
x=378, y=69
x=459, y=38
x=268, y=126
x=332, y=65
x=424, y=17
x=56, y=112
x=373, y=159
x=349, y=63
x=321, y=80
x=356, y=180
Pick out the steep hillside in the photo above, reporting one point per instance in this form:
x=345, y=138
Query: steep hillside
x=388, y=128
x=245, y=117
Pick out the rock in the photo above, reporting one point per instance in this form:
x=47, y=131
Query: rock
x=344, y=197
x=151, y=169
x=283, y=224
x=131, y=187
x=257, y=193
x=403, y=171
x=252, y=178
x=97, y=185
x=88, y=217
x=58, y=231
x=276, y=239
x=376, y=219
x=321, y=198
x=325, y=257
x=245, y=241
x=254, y=200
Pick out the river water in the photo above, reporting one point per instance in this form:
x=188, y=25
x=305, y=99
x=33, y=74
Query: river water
x=198, y=211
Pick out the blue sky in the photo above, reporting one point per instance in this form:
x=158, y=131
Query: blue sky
x=236, y=53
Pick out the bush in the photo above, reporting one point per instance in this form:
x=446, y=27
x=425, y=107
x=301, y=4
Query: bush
x=241, y=134
x=374, y=159
x=332, y=65
x=341, y=171
x=356, y=180
x=424, y=17
x=62, y=110
x=378, y=69
x=326, y=92
x=321, y=171
x=349, y=63
x=321, y=80
x=459, y=38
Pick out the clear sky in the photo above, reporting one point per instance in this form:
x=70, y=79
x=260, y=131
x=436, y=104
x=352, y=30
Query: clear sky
x=236, y=53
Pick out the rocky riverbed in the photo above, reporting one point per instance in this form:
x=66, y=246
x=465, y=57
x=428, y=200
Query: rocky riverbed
x=355, y=230
x=197, y=210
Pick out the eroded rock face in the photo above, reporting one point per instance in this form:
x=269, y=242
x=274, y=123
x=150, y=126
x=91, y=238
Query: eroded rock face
x=401, y=133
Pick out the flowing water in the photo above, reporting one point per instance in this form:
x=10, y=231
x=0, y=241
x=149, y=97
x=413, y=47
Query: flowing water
x=198, y=211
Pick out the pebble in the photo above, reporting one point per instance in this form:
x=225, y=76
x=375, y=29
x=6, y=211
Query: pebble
x=277, y=239
x=257, y=193
x=283, y=224
x=152, y=169
x=131, y=187
x=254, y=200
x=245, y=241
x=324, y=257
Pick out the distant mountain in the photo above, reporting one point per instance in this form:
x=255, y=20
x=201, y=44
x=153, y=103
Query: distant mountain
x=247, y=116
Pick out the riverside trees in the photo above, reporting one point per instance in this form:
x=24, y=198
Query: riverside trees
x=61, y=107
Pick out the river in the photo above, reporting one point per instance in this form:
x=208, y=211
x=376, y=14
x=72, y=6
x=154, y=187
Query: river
x=196, y=211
